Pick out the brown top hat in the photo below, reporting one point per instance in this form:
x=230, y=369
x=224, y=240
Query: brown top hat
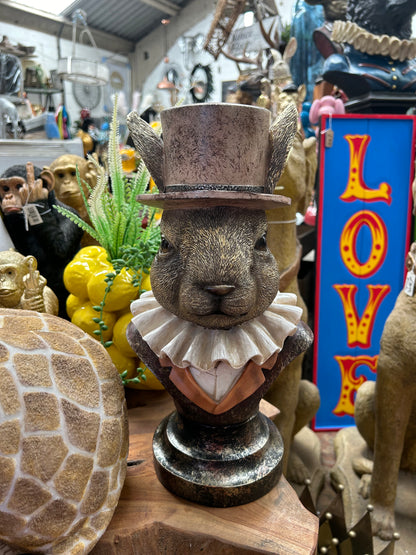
x=215, y=155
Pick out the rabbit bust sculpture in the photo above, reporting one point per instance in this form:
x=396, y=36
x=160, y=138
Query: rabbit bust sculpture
x=214, y=329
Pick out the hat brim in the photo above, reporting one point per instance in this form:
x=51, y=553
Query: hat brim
x=188, y=200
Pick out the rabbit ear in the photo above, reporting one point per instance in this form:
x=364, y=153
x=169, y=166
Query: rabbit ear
x=277, y=57
x=301, y=93
x=282, y=133
x=290, y=49
x=149, y=145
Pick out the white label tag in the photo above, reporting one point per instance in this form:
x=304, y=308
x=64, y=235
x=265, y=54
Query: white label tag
x=32, y=214
x=329, y=138
x=409, y=286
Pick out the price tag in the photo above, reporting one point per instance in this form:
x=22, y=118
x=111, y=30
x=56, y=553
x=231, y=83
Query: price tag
x=329, y=138
x=409, y=286
x=32, y=214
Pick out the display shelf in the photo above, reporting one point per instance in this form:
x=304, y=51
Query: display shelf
x=41, y=92
x=382, y=103
x=41, y=152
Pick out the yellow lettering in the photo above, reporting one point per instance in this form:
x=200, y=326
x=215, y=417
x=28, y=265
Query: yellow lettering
x=359, y=330
x=378, y=243
x=356, y=187
x=350, y=383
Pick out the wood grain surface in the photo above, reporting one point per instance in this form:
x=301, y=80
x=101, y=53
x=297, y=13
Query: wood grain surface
x=150, y=520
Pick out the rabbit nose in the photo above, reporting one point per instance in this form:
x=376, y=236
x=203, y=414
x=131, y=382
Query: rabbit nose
x=219, y=290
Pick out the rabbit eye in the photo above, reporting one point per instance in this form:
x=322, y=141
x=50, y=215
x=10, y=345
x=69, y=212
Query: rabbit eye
x=165, y=246
x=261, y=244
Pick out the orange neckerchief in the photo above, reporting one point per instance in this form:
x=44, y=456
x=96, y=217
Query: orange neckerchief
x=249, y=381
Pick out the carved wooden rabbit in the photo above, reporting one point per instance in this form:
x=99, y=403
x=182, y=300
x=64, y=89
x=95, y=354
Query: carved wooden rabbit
x=297, y=399
x=385, y=410
x=215, y=330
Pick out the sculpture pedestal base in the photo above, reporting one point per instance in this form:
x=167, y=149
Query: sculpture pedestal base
x=218, y=466
x=151, y=520
x=381, y=103
x=349, y=445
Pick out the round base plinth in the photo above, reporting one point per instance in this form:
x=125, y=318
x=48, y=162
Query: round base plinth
x=218, y=466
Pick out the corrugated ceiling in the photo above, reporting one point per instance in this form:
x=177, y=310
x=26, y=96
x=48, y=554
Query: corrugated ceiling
x=128, y=19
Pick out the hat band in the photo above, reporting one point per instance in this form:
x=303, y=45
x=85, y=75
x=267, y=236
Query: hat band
x=213, y=187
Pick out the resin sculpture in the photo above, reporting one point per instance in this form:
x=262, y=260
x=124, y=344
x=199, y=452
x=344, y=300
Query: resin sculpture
x=215, y=330
x=63, y=435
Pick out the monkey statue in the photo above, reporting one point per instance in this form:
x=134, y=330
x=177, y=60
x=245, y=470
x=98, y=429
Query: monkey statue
x=21, y=285
x=67, y=189
x=36, y=228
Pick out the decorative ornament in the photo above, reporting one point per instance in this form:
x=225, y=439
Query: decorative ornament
x=201, y=83
x=215, y=181
x=225, y=16
x=63, y=435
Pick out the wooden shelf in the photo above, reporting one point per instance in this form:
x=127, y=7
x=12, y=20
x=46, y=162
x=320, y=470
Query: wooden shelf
x=31, y=90
x=48, y=93
x=149, y=519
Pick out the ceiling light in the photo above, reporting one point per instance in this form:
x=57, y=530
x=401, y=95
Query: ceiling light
x=78, y=70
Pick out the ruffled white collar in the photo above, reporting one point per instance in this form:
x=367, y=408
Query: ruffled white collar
x=368, y=43
x=187, y=344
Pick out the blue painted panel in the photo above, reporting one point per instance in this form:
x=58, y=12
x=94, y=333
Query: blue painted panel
x=388, y=159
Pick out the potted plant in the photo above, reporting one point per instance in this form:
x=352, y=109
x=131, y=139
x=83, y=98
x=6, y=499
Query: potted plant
x=103, y=280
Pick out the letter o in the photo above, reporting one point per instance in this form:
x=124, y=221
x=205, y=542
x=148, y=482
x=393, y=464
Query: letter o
x=378, y=243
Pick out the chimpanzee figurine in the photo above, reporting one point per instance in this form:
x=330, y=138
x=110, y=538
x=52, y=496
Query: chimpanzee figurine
x=36, y=228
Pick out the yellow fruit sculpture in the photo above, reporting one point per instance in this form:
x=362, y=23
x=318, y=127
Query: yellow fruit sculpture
x=84, y=278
